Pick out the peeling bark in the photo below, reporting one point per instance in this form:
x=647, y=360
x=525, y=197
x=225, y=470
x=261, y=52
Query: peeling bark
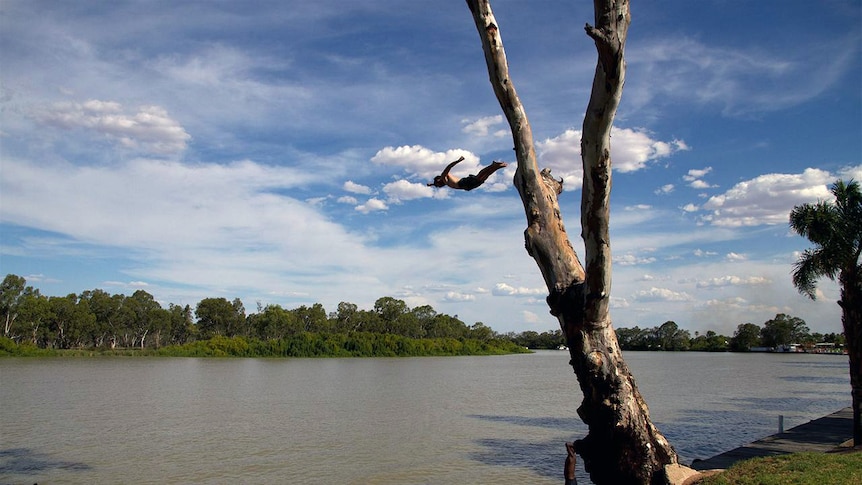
x=622, y=446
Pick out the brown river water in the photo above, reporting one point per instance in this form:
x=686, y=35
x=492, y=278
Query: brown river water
x=449, y=420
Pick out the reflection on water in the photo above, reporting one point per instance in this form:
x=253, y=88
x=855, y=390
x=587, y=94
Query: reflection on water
x=373, y=421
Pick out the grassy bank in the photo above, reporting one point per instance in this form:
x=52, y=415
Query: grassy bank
x=300, y=345
x=798, y=468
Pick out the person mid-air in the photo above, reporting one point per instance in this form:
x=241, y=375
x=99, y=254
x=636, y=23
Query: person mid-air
x=469, y=182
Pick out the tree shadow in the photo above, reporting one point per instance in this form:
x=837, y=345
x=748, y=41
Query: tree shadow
x=544, y=458
x=24, y=461
x=535, y=422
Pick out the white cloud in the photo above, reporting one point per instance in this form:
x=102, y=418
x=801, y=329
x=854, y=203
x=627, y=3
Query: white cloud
x=631, y=150
x=455, y=296
x=695, y=174
x=662, y=294
x=632, y=260
x=346, y=199
x=733, y=281
x=848, y=173
x=664, y=189
x=482, y=126
x=425, y=163
x=401, y=190
x=150, y=129
x=619, y=303
x=735, y=257
x=701, y=253
x=689, y=208
x=699, y=184
x=503, y=289
x=354, y=188
x=530, y=317
x=372, y=205
x=767, y=199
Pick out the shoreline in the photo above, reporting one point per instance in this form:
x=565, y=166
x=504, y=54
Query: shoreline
x=820, y=435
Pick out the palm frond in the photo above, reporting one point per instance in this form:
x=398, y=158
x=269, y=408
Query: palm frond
x=835, y=228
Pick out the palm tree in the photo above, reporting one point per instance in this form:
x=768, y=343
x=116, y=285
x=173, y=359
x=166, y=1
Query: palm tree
x=836, y=231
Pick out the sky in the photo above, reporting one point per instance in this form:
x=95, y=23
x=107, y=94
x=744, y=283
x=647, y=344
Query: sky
x=278, y=152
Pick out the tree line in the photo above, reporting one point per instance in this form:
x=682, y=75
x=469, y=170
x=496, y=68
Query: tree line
x=776, y=333
x=96, y=319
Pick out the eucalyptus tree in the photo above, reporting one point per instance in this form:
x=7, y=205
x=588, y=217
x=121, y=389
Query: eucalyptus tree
x=835, y=228
x=71, y=321
x=623, y=445
x=783, y=330
x=747, y=335
x=181, y=324
x=34, y=317
x=218, y=316
x=344, y=318
x=312, y=319
x=11, y=291
x=107, y=309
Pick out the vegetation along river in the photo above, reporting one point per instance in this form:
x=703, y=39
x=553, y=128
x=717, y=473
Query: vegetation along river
x=427, y=420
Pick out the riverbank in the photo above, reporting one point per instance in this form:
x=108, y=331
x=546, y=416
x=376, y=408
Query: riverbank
x=305, y=344
x=799, y=453
x=820, y=435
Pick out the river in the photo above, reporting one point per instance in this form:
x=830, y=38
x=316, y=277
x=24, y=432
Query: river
x=448, y=420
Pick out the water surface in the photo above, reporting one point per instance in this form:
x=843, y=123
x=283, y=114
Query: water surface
x=448, y=420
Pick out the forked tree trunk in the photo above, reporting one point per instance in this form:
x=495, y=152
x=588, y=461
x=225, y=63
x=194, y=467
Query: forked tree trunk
x=622, y=446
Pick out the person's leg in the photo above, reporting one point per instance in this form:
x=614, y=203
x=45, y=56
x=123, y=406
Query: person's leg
x=489, y=170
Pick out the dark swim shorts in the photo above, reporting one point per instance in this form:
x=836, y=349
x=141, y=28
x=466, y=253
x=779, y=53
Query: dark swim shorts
x=469, y=182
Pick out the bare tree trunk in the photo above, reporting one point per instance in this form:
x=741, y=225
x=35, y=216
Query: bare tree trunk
x=622, y=446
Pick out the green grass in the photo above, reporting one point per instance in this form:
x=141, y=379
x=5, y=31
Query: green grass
x=796, y=469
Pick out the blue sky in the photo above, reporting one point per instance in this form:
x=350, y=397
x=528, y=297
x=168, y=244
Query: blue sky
x=278, y=152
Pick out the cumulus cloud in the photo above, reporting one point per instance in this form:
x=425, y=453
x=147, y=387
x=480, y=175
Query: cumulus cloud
x=503, y=289
x=354, y=188
x=767, y=199
x=149, y=129
x=632, y=260
x=690, y=208
x=484, y=126
x=695, y=180
x=735, y=257
x=662, y=294
x=664, y=189
x=619, y=303
x=425, y=163
x=401, y=190
x=733, y=281
x=372, y=205
x=631, y=150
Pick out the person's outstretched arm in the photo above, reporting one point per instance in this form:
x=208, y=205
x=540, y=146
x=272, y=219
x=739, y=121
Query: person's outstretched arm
x=449, y=167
